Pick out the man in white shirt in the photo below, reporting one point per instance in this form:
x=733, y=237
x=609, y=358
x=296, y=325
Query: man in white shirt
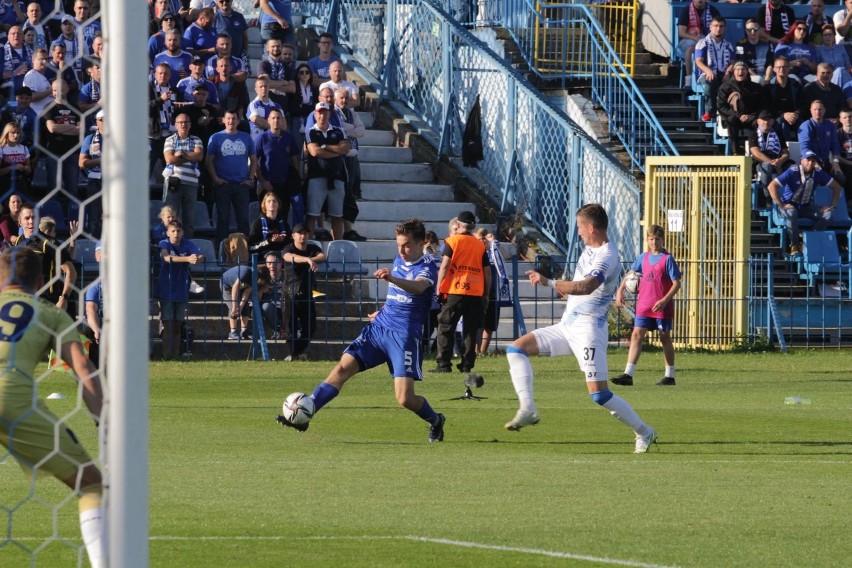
x=338, y=80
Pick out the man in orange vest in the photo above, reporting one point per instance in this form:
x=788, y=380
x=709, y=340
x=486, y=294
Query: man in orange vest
x=465, y=280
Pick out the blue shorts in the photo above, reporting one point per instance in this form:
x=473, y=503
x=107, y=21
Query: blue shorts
x=660, y=324
x=401, y=351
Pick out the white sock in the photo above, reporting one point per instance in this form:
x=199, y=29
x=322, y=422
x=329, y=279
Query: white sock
x=92, y=523
x=630, y=369
x=670, y=371
x=619, y=408
x=522, y=379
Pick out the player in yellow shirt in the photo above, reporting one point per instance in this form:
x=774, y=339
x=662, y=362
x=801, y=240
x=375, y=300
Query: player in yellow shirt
x=29, y=329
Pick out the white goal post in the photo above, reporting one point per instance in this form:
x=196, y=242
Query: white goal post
x=125, y=175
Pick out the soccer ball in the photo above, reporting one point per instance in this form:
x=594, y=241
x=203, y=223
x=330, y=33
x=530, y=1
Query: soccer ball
x=298, y=408
x=631, y=282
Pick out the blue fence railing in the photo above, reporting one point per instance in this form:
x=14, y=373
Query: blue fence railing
x=545, y=165
x=575, y=46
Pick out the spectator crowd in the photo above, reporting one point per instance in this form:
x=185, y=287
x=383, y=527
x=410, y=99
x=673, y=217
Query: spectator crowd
x=788, y=80
x=221, y=135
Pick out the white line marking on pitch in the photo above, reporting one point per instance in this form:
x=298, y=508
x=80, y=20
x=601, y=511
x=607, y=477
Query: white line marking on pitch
x=464, y=544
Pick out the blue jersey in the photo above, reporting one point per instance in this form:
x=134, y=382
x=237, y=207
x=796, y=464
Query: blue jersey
x=173, y=283
x=403, y=311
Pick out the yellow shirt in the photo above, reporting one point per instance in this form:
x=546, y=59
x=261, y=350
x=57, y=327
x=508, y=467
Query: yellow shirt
x=29, y=329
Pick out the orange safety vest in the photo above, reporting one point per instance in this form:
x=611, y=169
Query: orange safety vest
x=465, y=276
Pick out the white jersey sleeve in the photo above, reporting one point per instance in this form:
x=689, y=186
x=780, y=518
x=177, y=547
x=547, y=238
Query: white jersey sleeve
x=603, y=263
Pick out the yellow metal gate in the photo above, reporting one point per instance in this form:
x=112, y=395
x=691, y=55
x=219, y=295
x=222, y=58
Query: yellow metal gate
x=704, y=204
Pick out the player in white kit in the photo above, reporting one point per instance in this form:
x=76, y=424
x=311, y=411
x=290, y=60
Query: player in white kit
x=582, y=331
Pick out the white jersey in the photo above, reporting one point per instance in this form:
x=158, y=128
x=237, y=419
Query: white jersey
x=603, y=263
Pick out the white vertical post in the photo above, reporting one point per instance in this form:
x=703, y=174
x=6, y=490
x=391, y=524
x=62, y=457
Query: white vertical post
x=125, y=283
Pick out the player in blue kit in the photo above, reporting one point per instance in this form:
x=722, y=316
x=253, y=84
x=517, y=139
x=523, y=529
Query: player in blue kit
x=394, y=333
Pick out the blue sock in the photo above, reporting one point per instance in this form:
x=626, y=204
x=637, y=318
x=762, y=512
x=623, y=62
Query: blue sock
x=323, y=394
x=426, y=412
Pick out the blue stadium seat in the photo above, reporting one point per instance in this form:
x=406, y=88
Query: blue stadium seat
x=840, y=221
x=232, y=225
x=86, y=257
x=53, y=208
x=154, y=207
x=202, y=218
x=210, y=264
x=821, y=256
x=343, y=258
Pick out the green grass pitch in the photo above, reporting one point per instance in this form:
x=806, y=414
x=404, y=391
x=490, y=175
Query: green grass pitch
x=738, y=478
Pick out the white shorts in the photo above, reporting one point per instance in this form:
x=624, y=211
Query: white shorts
x=588, y=343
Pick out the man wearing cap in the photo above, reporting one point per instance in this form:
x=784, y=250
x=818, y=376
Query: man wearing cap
x=232, y=164
x=464, y=283
x=200, y=37
x=157, y=42
x=177, y=59
x=819, y=136
x=768, y=148
x=739, y=101
x=301, y=260
x=90, y=161
x=90, y=93
x=73, y=50
x=182, y=153
x=327, y=146
x=186, y=86
x=793, y=195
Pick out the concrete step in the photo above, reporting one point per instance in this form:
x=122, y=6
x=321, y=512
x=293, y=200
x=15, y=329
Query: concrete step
x=397, y=172
x=427, y=211
x=366, y=117
x=379, y=191
x=387, y=154
x=383, y=230
x=377, y=138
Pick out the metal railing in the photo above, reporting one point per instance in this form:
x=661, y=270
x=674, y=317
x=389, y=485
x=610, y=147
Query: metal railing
x=568, y=41
x=545, y=165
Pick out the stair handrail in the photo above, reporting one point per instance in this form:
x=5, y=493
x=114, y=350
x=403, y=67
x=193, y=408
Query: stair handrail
x=544, y=163
x=631, y=118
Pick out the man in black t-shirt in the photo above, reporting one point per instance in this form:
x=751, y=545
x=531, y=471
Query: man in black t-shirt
x=62, y=123
x=301, y=260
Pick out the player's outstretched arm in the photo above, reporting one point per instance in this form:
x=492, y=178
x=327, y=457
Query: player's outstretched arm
x=93, y=396
x=417, y=286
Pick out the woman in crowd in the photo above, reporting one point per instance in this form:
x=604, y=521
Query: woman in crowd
x=9, y=219
x=801, y=55
x=835, y=55
x=269, y=232
x=302, y=103
x=15, y=167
